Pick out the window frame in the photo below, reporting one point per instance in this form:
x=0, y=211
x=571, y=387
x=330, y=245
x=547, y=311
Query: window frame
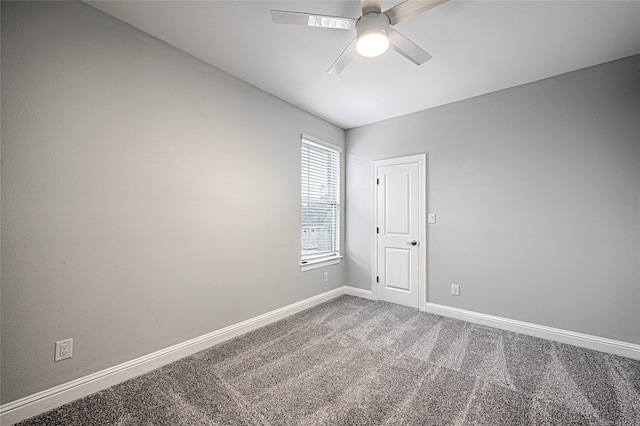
x=335, y=257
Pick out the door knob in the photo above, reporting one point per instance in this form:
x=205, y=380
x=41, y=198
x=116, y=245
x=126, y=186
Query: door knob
x=414, y=243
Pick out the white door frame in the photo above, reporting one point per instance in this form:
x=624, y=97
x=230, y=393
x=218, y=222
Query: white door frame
x=421, y=159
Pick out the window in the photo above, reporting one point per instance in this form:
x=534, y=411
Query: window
x=320, y=208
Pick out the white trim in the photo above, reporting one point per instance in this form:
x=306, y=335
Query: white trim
x=421, y=159
x=374, y=234
x=319, y=263
x=616, y=347
x=46, y=400
x=422, y=231
x=358, y=292
x=323, y=144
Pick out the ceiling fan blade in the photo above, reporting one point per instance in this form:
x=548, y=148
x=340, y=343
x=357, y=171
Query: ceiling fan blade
x=345, y=57
x=410, y=8
x=407, y=48
x=371, y=6
x=312, y=20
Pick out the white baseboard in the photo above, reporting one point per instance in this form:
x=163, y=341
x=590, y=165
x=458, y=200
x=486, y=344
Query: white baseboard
x=46, y=400
x=615, y=347
x=41, y=402
x=358, y=292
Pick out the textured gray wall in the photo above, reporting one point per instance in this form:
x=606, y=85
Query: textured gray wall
x=537, y=196
x=147, y=198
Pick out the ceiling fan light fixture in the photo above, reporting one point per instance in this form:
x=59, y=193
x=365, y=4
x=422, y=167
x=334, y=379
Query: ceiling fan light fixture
x=372, y=43
x=374, y=29
x=373, y=34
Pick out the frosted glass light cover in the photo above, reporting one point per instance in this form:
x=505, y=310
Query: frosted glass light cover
x=372, y=43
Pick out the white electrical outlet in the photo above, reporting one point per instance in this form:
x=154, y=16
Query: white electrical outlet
x=455, y=289
x=64, y=349
x=326, y=277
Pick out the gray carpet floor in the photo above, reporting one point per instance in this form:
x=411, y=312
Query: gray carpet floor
x=352, y=361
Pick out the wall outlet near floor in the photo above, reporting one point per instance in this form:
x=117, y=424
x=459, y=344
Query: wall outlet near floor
x=64, y=349
x=325, y=277
x=455, y=289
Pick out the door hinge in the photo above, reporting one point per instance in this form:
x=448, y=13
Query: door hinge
x=377, y=181
x=377, y=230
x=377, y=279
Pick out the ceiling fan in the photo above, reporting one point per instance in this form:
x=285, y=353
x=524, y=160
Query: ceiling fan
x=374, y=29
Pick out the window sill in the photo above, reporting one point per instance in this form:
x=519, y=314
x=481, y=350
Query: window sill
x=319, y=263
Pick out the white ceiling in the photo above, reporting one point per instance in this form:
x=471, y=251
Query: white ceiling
x=477, y=47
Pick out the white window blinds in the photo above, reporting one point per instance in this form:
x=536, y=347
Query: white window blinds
x=320, y=200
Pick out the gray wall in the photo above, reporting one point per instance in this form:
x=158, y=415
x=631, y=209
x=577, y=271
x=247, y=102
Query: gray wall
x=147, y=198
x=537, y=196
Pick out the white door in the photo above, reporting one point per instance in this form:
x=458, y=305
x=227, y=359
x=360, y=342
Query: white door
x=400, y=258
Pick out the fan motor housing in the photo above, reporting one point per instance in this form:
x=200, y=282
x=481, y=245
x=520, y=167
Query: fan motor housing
x=373, y=21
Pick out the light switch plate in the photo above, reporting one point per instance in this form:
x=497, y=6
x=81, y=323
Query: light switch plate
x=431, y=218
